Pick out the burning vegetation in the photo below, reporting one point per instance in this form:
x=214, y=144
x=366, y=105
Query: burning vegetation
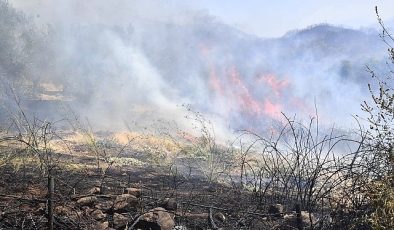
x=92, y=135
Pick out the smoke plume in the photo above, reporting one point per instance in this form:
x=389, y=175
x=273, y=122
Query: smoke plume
x=134, y=61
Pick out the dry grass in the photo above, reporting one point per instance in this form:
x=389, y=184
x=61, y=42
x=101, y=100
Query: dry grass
x=141, y=141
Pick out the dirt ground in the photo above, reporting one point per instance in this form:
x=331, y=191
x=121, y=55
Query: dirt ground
x=192, y=201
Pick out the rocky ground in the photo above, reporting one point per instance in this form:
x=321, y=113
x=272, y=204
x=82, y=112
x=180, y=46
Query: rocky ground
x=129, y=196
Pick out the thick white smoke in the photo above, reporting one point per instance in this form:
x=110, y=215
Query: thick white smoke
x=139, y=60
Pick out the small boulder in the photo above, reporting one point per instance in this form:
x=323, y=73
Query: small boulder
x=125, y=202
x=120, y=221
x=157, y=218
x=102, y=225
x=169, y=204
x=134, y=191
x=87, y=201
x=95, y=190
x=104, y=206
x=98, y=214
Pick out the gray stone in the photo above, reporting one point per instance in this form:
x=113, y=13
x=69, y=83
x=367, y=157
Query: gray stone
x=95, y=190
x=125, y=202
x=104, y=206
x=134, y=191
x=169, y=204
x=87, y=201
x=120, y=221
x=157, y=218
x=98, y=214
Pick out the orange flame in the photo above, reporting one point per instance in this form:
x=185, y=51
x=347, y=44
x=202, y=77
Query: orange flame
x=215, y=82
x=245, y=99
x=271, y=109
x=239, y=96
x=276, y=85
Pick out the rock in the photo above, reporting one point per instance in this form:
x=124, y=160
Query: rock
x=125, y=202
x=95, y=190
x=104, y=206
x=134, y=191
x=219, y=217
x=63, y=211
x=120, y=221
x=275, y=210
x=87, y=201
x=169, y=204
x=87, y=211
x=157, y=218
x=98, y=214
x=102, y=226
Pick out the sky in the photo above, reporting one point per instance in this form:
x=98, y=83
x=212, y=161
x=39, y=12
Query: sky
x=269, y=18
x=264, y=18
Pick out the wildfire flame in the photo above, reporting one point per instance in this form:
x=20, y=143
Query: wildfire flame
x=272, y=109
x=239, y=96
x=244, y=98
x=233, y=93
x=276, y=85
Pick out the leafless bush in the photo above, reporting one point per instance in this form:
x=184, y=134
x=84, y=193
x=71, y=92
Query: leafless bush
x=105, y=150
x=34, y=136
x=213, y=159
x=302, y=165
x=379, y=167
